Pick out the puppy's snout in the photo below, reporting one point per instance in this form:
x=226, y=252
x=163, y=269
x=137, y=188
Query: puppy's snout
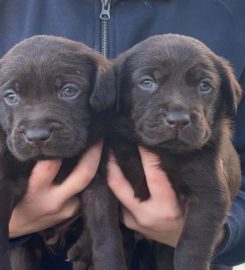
x=37, y=135
x=177, y=119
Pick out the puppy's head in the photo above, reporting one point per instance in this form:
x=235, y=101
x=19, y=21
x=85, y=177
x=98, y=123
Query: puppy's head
x=175, y=92
x=45, y=86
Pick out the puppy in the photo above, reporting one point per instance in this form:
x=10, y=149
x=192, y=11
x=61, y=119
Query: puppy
x=176, y=98
x=46, y=84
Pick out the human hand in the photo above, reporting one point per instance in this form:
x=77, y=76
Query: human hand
x=159, y=218
x=46, y=204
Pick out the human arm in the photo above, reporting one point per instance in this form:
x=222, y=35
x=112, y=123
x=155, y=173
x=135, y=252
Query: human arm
x=231, y=250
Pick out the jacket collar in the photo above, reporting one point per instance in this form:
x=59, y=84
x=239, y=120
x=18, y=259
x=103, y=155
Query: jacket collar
x=99, y=1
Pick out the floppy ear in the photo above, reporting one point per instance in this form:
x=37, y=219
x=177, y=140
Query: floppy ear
x=231, y=89
x=103, y=96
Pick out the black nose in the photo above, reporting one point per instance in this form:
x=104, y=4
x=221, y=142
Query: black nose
x=177, y=119
x=37, y=135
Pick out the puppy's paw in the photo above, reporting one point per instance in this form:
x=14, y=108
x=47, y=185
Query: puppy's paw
x=80, y=254
x=79, y=265
x=80, y=259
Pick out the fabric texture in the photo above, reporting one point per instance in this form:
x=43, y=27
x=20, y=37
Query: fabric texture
x=219, y=24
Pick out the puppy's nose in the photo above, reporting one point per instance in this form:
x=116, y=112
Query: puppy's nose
x=177, y=119
x=37, y=135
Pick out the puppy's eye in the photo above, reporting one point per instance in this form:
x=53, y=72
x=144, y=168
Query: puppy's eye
x=205, y=87
x=11, y=98
x=148, y=84
x=69, y=91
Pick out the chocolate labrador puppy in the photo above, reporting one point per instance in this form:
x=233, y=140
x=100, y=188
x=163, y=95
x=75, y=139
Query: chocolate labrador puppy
x=176, y=98
x=46, y=84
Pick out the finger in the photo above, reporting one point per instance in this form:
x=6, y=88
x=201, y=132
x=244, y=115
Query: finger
x=82, y=174
x=44, y=173
x=120, y=186
x=157, y=180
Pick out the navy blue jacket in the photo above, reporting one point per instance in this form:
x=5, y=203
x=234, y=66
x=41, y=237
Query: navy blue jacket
x=220, y=24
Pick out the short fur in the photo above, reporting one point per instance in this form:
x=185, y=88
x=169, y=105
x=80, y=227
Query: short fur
x=176, y=98
x=45, y=86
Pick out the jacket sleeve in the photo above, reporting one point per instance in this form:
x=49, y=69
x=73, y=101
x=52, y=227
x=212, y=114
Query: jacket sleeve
x=19, y=241
x=232, y=251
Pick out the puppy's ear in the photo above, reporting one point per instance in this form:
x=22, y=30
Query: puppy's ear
x=231, y=89
x=103, y=96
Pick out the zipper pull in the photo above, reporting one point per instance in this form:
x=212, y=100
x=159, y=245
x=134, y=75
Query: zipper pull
x=105, y=10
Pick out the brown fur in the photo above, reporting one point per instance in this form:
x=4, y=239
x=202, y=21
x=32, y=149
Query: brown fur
x=45, y=113
x=176, y=98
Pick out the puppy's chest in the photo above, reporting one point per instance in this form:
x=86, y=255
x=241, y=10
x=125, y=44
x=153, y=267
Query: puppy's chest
x=14, y=176
x=188, y=172
x=66, y=168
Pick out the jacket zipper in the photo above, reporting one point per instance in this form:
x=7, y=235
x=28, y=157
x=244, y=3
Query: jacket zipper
x=105, y=17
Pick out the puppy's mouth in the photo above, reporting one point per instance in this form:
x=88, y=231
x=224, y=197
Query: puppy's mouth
x=45, y=153
x=177, y=140
x=44, y=157
x=56, y=147
x=175, y=145
x=169, y=143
